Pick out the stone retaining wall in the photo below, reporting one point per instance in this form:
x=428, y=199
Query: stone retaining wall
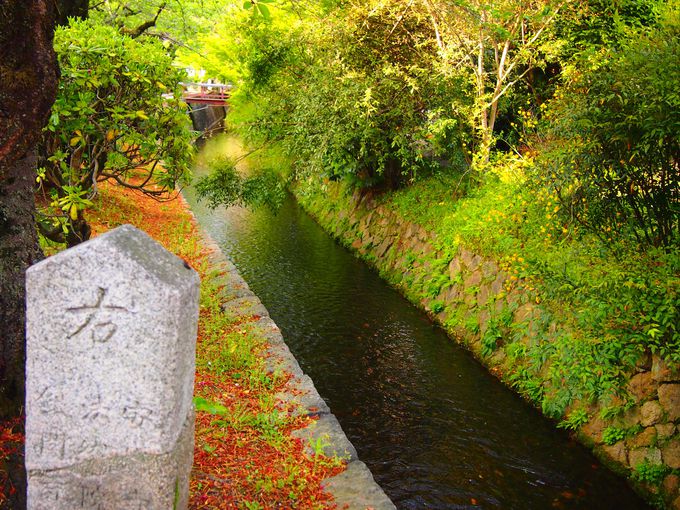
x=354, y=488
x=472, y=294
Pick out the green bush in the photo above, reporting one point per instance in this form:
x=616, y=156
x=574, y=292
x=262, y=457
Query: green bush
x=118, y=114
x=613, y=145
x=225, y=186
x=650, y=473
x=612, y=435
x=363, y=101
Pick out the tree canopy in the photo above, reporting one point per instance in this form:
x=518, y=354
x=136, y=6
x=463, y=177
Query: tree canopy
x=380, y=92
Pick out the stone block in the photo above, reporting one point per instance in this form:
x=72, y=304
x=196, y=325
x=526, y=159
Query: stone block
x=483, y=295
x=594, y=429
x=384, y=247
x=651, y=413
x=474, y=279
x=630, y=418
x=525, y=313
x=245, y=306
x=132, y=482
x=327, y=429
x=671, y=484
x=645, y=438
x=111, y=340
x=497, y=285
x=665, y=430
x=617, y=452
x=453, y=294
x=644, y=363
x=454, y=268
x=671, y=454
x=642, y=386
x=355, y=489
x=489, y=269
x=669, y=397
x=641, y=455
x=662, y=372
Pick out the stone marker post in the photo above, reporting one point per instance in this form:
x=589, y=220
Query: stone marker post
x=111, y=337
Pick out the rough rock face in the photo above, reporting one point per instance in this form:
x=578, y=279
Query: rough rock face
x=475, y=291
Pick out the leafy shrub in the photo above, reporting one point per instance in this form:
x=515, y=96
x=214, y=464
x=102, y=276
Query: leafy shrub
x=613, y=147
x=438, y=307
x=650, y=473
x=117, y=115
x=363, y=101
x=575, y=420
x=225, y=186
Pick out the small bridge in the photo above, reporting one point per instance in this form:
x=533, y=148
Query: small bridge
x=213, y=94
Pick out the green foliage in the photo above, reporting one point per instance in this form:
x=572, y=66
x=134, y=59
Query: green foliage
x=112, y=121
x=612, y=435
x=179, y=21
x=575, y=420
x=225, y=186
x=438, y=306
x=319, y=444
x=650, y=473
x=496, y=327
x=604, y=23
x=204, y=405
x=614, y=137
x=355, y=94
x=259, y=7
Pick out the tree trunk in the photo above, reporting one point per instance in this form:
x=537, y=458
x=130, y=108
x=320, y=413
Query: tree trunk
x=28, y=84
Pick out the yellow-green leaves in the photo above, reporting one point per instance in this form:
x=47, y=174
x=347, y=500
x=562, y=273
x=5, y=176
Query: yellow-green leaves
x=73, y=201
x=76, y=139
x=259, y=7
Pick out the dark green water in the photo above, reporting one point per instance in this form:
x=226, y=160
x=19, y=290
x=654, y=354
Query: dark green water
x=434, y=427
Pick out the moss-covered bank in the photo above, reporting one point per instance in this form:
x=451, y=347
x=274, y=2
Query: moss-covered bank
x=624, y=403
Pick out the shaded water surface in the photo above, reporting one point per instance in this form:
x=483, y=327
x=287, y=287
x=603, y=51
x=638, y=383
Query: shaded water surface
x=434, y=427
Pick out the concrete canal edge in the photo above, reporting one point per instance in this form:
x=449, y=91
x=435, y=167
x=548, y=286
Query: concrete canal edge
x=354, y=488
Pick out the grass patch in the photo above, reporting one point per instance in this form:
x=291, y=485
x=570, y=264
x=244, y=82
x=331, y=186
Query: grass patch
x=244, y=455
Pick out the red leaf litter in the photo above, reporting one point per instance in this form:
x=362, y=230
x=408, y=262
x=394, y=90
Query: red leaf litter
x=244, y=456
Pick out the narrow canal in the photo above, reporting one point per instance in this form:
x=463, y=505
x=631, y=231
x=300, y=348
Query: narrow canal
x=435, y=428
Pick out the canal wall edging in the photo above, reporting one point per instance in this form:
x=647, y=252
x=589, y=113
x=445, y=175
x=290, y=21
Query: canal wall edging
x=481, y=307
x=354, y=488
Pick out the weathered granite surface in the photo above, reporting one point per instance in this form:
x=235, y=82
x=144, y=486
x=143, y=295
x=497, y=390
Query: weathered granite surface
x=111, y=341
x=355, y=488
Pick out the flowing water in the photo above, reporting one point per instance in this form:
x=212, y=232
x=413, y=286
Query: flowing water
x=435, y=428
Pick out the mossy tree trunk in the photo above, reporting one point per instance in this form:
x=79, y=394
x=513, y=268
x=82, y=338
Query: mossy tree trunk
x=28, y=83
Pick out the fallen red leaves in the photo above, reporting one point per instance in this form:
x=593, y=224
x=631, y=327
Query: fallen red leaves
x=244, y=456
x=11, y=444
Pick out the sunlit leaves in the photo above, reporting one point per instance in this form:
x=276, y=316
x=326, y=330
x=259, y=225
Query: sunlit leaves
x=225, y=186
x=613, y=132
x=259, y=7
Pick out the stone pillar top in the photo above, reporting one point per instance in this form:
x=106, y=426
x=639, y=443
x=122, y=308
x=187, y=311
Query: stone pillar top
x=111, y=329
